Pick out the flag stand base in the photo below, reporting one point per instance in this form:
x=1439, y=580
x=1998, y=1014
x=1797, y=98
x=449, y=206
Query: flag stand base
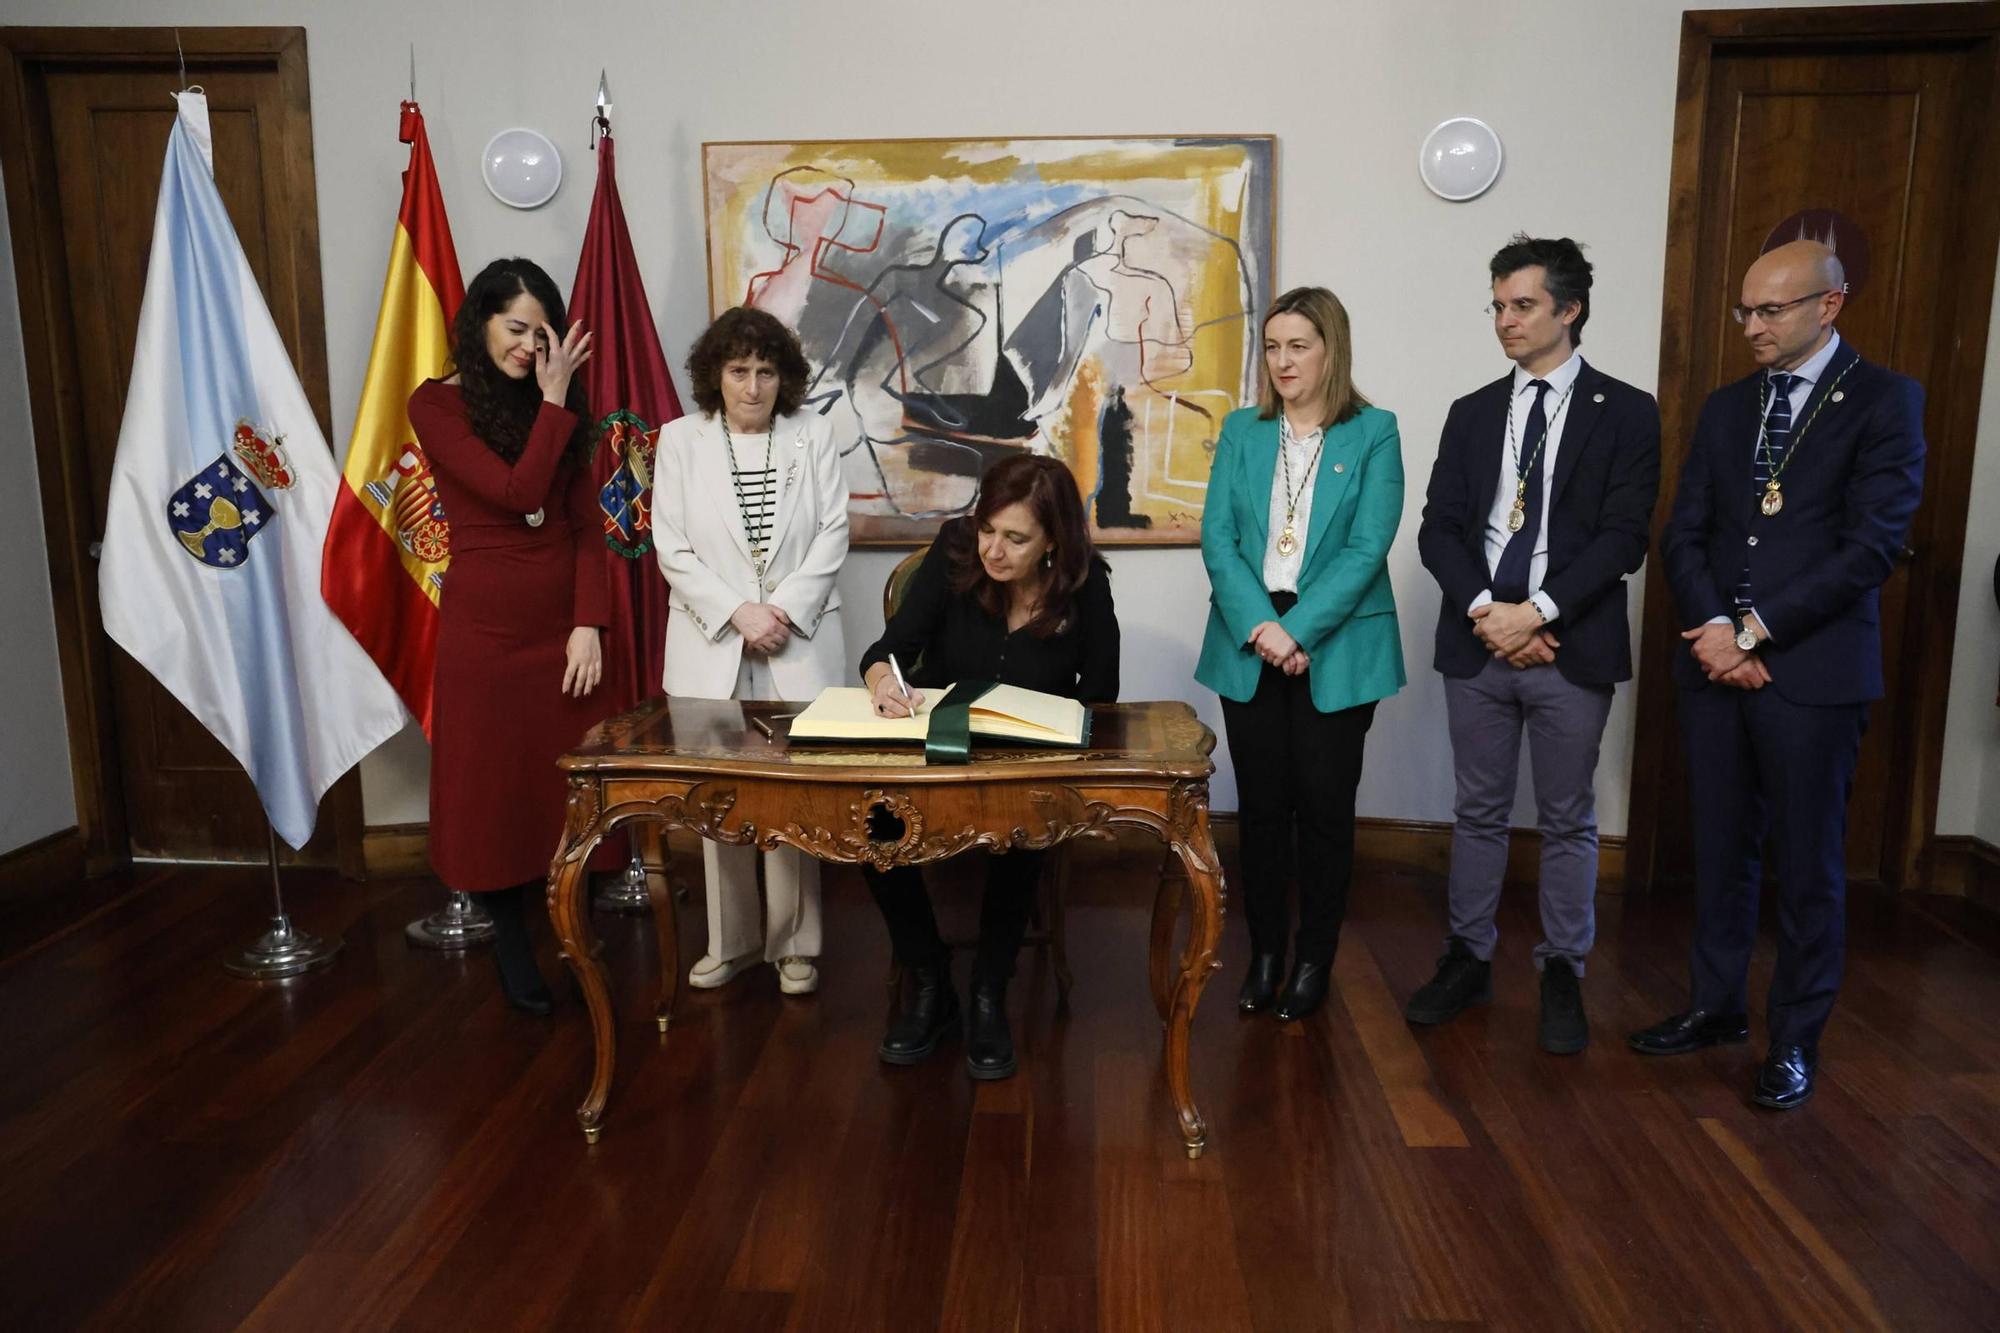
x=281, y=952
x=626, y=891
x=460, y=924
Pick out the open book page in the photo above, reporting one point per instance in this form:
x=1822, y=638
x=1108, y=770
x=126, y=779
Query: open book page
x=847, y=713
x=1008, y=712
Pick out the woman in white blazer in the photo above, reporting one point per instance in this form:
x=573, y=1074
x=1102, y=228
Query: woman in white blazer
x=750, y=524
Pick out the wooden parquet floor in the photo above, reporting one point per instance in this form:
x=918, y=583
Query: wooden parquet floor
x=385, y=1145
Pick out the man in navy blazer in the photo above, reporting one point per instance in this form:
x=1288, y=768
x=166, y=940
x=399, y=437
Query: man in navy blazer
x=1799, y=489
x=1540, y=504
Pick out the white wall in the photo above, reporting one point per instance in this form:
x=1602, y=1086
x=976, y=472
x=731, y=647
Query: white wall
x=1581, y=90
x=36, y=798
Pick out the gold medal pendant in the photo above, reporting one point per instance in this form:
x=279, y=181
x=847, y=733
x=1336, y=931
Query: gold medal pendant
x=1288, y=541
x=1773, y=501
x=1517, y=517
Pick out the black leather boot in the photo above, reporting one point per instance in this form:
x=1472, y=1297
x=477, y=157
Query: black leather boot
x=929, y=1017
x=1260, y=987
x=989, y=1046
x=1304, y=992
x=514, y=952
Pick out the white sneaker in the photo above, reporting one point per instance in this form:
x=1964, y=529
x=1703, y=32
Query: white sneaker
x=710, y=972
x=797, y=976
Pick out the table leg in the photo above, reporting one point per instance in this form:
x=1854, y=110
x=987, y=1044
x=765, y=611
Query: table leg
x=652, y=839
x=1197, y=850
x=569, y=913
x=1167, y=903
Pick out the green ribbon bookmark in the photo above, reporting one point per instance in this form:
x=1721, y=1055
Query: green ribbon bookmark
x=949, y=740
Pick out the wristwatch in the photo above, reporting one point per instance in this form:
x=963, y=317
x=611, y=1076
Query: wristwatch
x=1746, y=638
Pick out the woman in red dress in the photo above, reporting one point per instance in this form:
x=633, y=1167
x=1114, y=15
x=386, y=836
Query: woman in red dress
x=509, y=441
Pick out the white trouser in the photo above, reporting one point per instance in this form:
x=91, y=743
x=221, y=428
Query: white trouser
x=791, y=878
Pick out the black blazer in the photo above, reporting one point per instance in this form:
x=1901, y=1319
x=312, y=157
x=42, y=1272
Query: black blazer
x=941, y=637
x=1600, y=514
x=1817, y=568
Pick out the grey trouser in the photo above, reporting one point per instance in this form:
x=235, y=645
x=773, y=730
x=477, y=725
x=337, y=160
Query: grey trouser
x=1564, y=723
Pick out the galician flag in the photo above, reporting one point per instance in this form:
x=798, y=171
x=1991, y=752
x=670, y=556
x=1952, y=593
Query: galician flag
x=388, y=546
x=629, y=388
x=220, y=495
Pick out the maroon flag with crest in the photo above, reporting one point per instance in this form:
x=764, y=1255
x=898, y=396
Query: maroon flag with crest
x=633, y=396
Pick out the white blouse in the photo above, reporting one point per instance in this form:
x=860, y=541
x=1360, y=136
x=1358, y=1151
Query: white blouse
x=1281, y=572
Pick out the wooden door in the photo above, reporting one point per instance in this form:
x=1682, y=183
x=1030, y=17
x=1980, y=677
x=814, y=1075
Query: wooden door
x=85, y=145
x=1885, y=117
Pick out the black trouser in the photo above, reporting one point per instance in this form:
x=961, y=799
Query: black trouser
x=1296, y=769
x=1003, y=914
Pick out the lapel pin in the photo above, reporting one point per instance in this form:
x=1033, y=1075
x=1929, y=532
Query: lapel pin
x=1597, y=398
x=1340, y=467
x=1839, y=394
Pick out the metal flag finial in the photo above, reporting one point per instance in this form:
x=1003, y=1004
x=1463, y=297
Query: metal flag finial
x=600, y=123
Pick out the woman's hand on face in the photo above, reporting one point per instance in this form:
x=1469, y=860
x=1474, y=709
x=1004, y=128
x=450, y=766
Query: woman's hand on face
x=556, y=362
x=889, y=701
x=583, y=661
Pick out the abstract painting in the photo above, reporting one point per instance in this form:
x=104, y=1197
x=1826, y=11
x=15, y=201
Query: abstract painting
x=962, y=300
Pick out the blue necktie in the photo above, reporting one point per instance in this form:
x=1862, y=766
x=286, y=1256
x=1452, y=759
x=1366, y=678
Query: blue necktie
x=1510, y=577
x=1777, y=439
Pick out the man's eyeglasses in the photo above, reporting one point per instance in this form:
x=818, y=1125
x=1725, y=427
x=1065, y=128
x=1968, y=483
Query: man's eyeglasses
x=1767, y=313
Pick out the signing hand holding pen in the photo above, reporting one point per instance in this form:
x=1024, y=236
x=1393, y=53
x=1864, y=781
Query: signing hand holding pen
x=891, y=694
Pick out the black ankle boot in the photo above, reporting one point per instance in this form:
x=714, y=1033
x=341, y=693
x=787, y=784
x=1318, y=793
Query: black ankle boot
x=989, y=1046
x=930, y=1016
x=1304, y=992
x=1260, y=987
x=514, y=953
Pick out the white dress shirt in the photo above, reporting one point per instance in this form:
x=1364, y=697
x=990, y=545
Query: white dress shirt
x=1555, y=411
x=1281, y=572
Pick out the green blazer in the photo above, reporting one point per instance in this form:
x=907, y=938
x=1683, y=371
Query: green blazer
x=1346, y=614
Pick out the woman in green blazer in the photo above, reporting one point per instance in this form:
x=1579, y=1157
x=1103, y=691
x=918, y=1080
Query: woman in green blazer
x=1303, y=502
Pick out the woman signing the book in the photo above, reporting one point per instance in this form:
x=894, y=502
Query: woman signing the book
x=751, y=531
x=1014, y=593
x=1303, y=501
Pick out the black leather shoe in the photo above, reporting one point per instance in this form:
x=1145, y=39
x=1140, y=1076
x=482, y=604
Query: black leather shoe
x=514, y=954
x=1563, y=1029
x=1690, y=1031
x=929, y=1017
x=1461, y=982
x=1786, y=1079
x=1260, y=988
x=1304, y=992
x=989, y=1046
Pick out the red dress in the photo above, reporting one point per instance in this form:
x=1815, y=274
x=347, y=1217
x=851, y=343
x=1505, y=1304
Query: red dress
x=512, y=594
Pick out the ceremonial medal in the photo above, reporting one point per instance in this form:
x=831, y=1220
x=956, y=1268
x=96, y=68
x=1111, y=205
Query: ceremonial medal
x=1517, y=517
x=1773, y=500
x=1288, y=537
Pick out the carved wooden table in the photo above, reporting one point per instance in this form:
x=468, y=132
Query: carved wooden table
x=699, y=764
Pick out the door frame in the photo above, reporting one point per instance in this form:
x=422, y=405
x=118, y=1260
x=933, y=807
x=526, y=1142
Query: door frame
x=1910, y=827
x=27, y=157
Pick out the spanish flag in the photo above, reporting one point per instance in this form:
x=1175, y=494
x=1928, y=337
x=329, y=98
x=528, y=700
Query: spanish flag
x=387, y=548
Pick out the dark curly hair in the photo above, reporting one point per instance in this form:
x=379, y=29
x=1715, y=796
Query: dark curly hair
x=501, y=408
x=1565, y=272
x=1048, y=488
x=738, y=332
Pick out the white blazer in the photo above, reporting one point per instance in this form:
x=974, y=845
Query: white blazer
x=698, y=535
